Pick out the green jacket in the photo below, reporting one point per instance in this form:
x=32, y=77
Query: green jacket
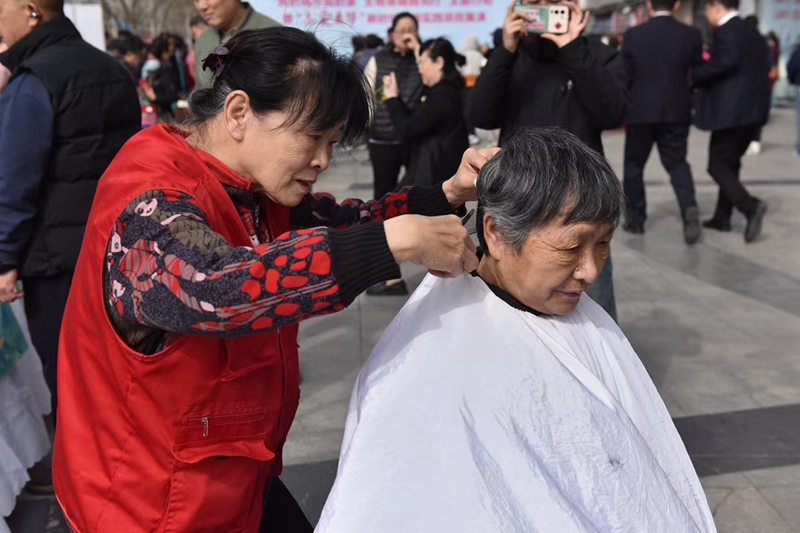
x=211, y=38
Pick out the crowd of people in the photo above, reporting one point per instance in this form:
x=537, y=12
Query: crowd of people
x=163, y=298
x=166, y=68
x=585, y=86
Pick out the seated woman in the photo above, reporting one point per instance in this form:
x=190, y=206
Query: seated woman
x=509, y=401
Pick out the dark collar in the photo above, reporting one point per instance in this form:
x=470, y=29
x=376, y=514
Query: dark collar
x=507, y=298
x=539, y=48
x=248, y=12
x=43, y=36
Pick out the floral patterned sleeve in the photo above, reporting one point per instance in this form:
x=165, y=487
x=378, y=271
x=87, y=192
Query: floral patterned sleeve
x=168, y=271
x=321, y=209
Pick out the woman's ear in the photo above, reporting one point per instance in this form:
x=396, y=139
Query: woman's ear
x=34, y=17
x=237, y=109
x=439, y=63
x=491, y=236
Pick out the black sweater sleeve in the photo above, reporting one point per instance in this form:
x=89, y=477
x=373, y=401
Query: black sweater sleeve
x=436, y=108
x=486, y=107
x=599, y=77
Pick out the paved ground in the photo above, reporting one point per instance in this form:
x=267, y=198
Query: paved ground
x=717, y=326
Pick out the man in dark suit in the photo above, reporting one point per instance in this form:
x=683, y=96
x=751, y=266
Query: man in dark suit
x=734, y=105
x=659, y=56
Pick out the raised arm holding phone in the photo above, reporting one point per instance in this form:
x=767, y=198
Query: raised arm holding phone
x=553, y=80
x=435, y=129
x=550, y=79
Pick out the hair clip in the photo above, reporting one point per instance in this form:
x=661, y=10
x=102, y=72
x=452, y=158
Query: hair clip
x=215, y=60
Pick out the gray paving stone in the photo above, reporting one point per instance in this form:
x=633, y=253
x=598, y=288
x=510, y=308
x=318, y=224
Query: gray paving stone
x=734, y=480
x=787, y=476
x=786, y=501
x=746, y=511
x=716, y=496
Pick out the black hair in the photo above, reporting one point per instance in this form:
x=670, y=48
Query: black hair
x=130, y=44
x=373, y=41
x=286, y=69
x=51, y=7
x=397, y=18
x=359, y=43
x=114, y=46
x=729, y=4
x=752, y=22
x=542, y=174
x=443, y=48
x=497, y=38
x=159, y=46
x=197, y=20
x=663, y=5
x=180, y=42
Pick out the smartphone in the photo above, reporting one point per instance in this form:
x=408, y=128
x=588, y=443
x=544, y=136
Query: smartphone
x=380, y=96
x=545, y=18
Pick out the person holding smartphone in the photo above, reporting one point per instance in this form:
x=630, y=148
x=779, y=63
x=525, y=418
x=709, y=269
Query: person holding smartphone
x=553, y=80
x=388, y=151
x=436, y=128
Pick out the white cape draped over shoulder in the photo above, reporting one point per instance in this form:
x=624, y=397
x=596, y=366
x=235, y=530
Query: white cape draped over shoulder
x=474, y=416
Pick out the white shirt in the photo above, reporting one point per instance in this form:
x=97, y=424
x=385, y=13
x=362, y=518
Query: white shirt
x=662, y=14
x=473, y=416
x=727, y=18
x=371, y=73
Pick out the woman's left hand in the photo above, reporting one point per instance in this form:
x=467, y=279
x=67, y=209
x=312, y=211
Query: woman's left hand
x=390, y=88
x=461, y=188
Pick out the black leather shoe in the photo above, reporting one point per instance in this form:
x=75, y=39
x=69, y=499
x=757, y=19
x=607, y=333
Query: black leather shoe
x=691, y=225
x=754, y=221
x=717, y=224
x=635, y=229
x=384, y=289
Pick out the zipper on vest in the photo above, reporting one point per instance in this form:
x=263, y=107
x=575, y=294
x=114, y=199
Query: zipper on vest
x=283, y=384
x=224, y=420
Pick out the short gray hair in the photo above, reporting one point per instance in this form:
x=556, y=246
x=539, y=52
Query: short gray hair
x=541, y=174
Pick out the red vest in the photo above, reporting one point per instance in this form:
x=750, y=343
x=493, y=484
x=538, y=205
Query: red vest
x=182, y=440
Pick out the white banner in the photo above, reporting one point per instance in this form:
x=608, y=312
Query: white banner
x=336, y=21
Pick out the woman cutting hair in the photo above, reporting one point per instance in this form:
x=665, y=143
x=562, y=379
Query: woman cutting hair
x=204, y=249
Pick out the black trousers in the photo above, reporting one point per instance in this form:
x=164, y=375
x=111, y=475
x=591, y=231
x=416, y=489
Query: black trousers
x=387, y=160
x=671, y=140
x=45, y=300
x=282, y=514
x=724, y=163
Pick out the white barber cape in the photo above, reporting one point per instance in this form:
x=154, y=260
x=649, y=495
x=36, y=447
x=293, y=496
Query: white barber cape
x=474, y=416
